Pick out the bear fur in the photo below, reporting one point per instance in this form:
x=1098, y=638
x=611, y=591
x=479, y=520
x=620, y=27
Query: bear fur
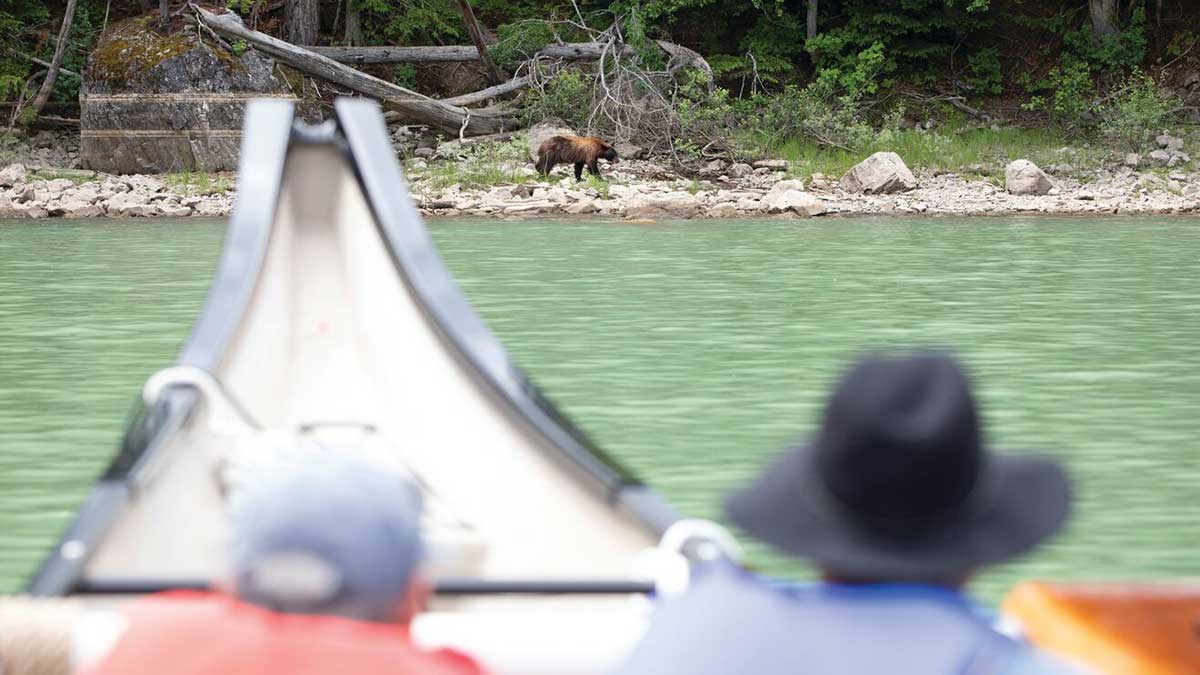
x=578, y=150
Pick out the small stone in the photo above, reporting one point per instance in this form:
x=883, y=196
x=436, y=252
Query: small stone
x=629, y=151
x=1169, y=142
x=748, y=204
x=785, y=185
x=174, y=210
x=586, y=205
x=1177, y=175
x=13, y=174
x=1133, y=159
x=772, y=164
x=424, y=153
x=722, y=210
x=1160, y=157
x=795, y=201
x=740, y=170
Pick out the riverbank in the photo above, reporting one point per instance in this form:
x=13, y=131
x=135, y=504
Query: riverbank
x=46, y=183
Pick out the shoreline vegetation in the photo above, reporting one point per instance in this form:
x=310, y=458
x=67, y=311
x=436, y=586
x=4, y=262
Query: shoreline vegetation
x=950, y=177
x=718, y=108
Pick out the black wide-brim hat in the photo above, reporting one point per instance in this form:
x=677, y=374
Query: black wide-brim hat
x=896, y=485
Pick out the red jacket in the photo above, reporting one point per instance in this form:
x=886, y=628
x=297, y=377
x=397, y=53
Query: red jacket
x=189, y=633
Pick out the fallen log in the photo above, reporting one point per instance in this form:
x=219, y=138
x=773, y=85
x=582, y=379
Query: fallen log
x=367, y=55
x=491, y=92
x=567, y=51
x=438, y=114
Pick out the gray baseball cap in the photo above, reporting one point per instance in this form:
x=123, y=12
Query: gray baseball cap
x=324, y=533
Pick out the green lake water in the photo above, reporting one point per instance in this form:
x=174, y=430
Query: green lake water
x=693, y=351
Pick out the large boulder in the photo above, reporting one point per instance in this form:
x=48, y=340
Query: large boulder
x=157, y=103
x=541, y=132
x=881, y=173
x=1023, y=177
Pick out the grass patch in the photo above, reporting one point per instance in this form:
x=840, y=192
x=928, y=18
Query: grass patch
x=599, y=184
x=484, y=166
x=979, y=151
x=198, y=182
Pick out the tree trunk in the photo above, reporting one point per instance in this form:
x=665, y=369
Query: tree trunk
x=438, y=114
x=812, y=19
x=60, y=50
x=302, y=21
x=354, y=32
x=164, y=15
x=493, y=73
x=1104, y=17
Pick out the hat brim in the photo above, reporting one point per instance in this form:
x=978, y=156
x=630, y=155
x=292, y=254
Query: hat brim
x=1024, y=500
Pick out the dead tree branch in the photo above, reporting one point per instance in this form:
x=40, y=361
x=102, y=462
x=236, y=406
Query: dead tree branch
x=444, y=116
x=64, y=32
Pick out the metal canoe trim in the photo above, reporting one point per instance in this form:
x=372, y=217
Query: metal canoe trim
x=451, y=315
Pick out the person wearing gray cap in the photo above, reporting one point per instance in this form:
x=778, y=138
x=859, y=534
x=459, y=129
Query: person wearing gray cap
x=897, y=502
x=325, y=558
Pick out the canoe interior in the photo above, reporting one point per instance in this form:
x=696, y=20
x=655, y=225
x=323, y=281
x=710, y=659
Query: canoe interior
x=334, y=326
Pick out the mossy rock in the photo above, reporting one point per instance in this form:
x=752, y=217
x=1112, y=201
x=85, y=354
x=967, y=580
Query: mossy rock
x=135, y=56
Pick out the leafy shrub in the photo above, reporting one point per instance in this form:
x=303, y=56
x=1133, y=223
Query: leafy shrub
x=519, y=41
x=986, y=77
x=705, y=118
x=405, y=75
x=1068, y=92
x=1137, y=110
x=828, y=111
x=568, y=97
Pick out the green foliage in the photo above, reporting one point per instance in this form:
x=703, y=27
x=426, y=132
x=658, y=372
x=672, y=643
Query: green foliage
x=239, y=6
x=411, y=22
x=1067, y=93
x=519, y=41
x=567, y=97
x=705, y=117
x=483, y=165
x=239, y=47
x=986, y=77
x=919, y=35
x=1137, y=111
x=1121, y=52
x=405, y=75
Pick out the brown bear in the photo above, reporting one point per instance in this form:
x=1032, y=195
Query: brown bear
x=577, y=150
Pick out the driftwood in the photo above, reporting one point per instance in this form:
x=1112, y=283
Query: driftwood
x=567, y=51
x=438, y=114
x=366, y=55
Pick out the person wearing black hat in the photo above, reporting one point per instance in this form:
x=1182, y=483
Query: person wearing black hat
x=897, y=502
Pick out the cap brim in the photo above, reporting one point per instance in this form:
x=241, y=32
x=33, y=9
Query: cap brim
x=1027, y=498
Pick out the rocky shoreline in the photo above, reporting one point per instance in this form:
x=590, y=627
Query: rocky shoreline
x=641, y=190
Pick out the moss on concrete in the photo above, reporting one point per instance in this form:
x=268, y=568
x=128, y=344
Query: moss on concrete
x=134, y=46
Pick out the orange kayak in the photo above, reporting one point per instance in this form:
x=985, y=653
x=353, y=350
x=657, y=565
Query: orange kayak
x=1125, y=628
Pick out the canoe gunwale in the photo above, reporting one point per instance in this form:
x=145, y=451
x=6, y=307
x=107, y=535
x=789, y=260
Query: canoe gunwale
x=361, y=137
